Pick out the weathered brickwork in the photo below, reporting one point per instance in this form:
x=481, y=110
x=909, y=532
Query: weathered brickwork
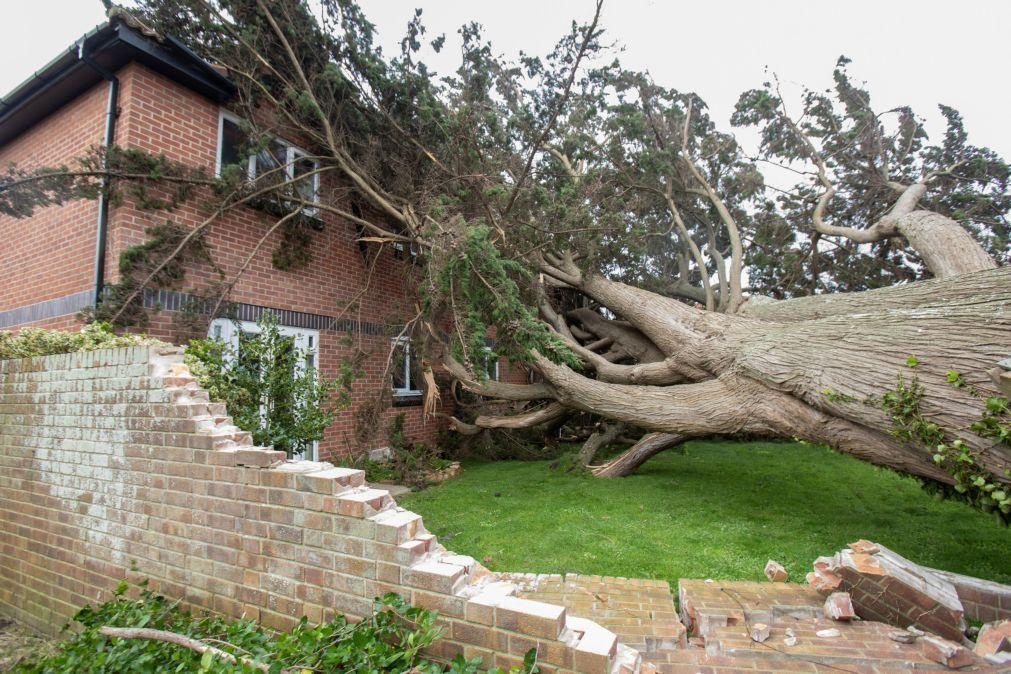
x=115, y=460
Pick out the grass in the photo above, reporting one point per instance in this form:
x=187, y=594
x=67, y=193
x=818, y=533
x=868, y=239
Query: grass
x=719, y=511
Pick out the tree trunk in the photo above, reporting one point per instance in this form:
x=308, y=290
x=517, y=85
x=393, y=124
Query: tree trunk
x=816, y=379
x=946, y=248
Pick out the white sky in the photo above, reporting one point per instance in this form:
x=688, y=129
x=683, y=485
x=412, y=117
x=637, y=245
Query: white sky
x=916, y=53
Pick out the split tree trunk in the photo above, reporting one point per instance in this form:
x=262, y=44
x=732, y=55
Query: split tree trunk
x=815, y=378
x=629, y=461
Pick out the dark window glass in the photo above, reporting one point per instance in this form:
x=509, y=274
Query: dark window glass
x=233, y=143
x=401, y=366
x=271, y=157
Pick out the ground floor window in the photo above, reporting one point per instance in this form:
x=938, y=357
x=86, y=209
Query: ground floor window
x=243, y=337
x=405, y=370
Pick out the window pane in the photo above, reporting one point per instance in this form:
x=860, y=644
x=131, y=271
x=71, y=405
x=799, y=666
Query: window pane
x=399, y=366
x=233, y=143
x=271, y=157
x=306, y=188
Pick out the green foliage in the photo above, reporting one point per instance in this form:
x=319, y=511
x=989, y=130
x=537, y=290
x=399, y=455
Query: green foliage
x=973, y=483
x=153, y=181
x=410, y=463
x=858, y=144
x=955, y=378
x=481, y=284
x=295, y=249
x=121, y=303
x=32, y=342
x=837, y=397
x=390, y=640
x=269, y=388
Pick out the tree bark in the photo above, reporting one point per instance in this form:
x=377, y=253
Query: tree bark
x=815, y=379
x=946, y=248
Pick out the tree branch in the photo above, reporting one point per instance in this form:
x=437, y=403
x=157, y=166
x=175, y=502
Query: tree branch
x=180, y=640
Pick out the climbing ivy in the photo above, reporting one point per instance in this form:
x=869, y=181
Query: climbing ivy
x=121, y=305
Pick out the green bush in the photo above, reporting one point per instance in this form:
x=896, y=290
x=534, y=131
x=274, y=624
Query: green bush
x=32, y=342
x=390, y=640
x=268, y=388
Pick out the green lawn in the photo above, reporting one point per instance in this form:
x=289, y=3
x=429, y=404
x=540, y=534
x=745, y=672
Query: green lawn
x=720, y=511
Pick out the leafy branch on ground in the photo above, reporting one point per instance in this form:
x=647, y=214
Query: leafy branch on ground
x=409, y=463
x=389, y=640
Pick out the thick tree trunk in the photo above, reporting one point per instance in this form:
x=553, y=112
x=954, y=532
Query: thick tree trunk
x=946, y=248
x=814, y=379
x=969, y=288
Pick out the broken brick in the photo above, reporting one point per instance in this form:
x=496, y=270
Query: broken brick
x=887, y=587
x=948, y=653
x=839, y=606
x=759, y=632
x=994, y=638
x=775, y=572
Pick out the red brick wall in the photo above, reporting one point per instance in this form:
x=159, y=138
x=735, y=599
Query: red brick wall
x=113, y=458
x=52, y=253
x=162, y=116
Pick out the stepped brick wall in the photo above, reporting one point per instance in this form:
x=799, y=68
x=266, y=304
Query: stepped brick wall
x=114, y=463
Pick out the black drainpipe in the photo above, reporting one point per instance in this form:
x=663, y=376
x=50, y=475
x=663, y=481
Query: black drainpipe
x=111, y=112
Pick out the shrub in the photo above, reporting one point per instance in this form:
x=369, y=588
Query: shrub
x=390, y=640
x=32, y=342
x=268, y=388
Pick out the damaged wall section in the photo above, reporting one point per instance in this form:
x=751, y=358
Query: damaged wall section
x=115, y=460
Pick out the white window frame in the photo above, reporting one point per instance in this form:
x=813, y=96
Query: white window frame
x=495, y=376
x=306, y=341
x=404, y=392
x=292, y=154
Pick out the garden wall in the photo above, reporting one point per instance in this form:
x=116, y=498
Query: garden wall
x=114, y=463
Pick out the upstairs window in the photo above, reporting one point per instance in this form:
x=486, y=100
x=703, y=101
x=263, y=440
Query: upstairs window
x=405, y=251
x=297, y=166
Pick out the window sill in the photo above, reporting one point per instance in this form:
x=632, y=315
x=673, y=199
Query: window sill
x=408, y=399
x=278, y=208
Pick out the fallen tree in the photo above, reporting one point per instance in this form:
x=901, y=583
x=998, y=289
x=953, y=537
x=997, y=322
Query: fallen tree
x=632, y=256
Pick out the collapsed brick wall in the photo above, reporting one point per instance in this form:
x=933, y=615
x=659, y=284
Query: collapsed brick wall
x=114, y=464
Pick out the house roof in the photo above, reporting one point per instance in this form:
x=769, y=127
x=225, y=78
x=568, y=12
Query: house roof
x=111, y=45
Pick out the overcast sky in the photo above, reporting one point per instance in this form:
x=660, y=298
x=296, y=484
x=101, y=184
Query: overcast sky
x=916, y=53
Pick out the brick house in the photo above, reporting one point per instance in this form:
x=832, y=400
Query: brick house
x=120, y=85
